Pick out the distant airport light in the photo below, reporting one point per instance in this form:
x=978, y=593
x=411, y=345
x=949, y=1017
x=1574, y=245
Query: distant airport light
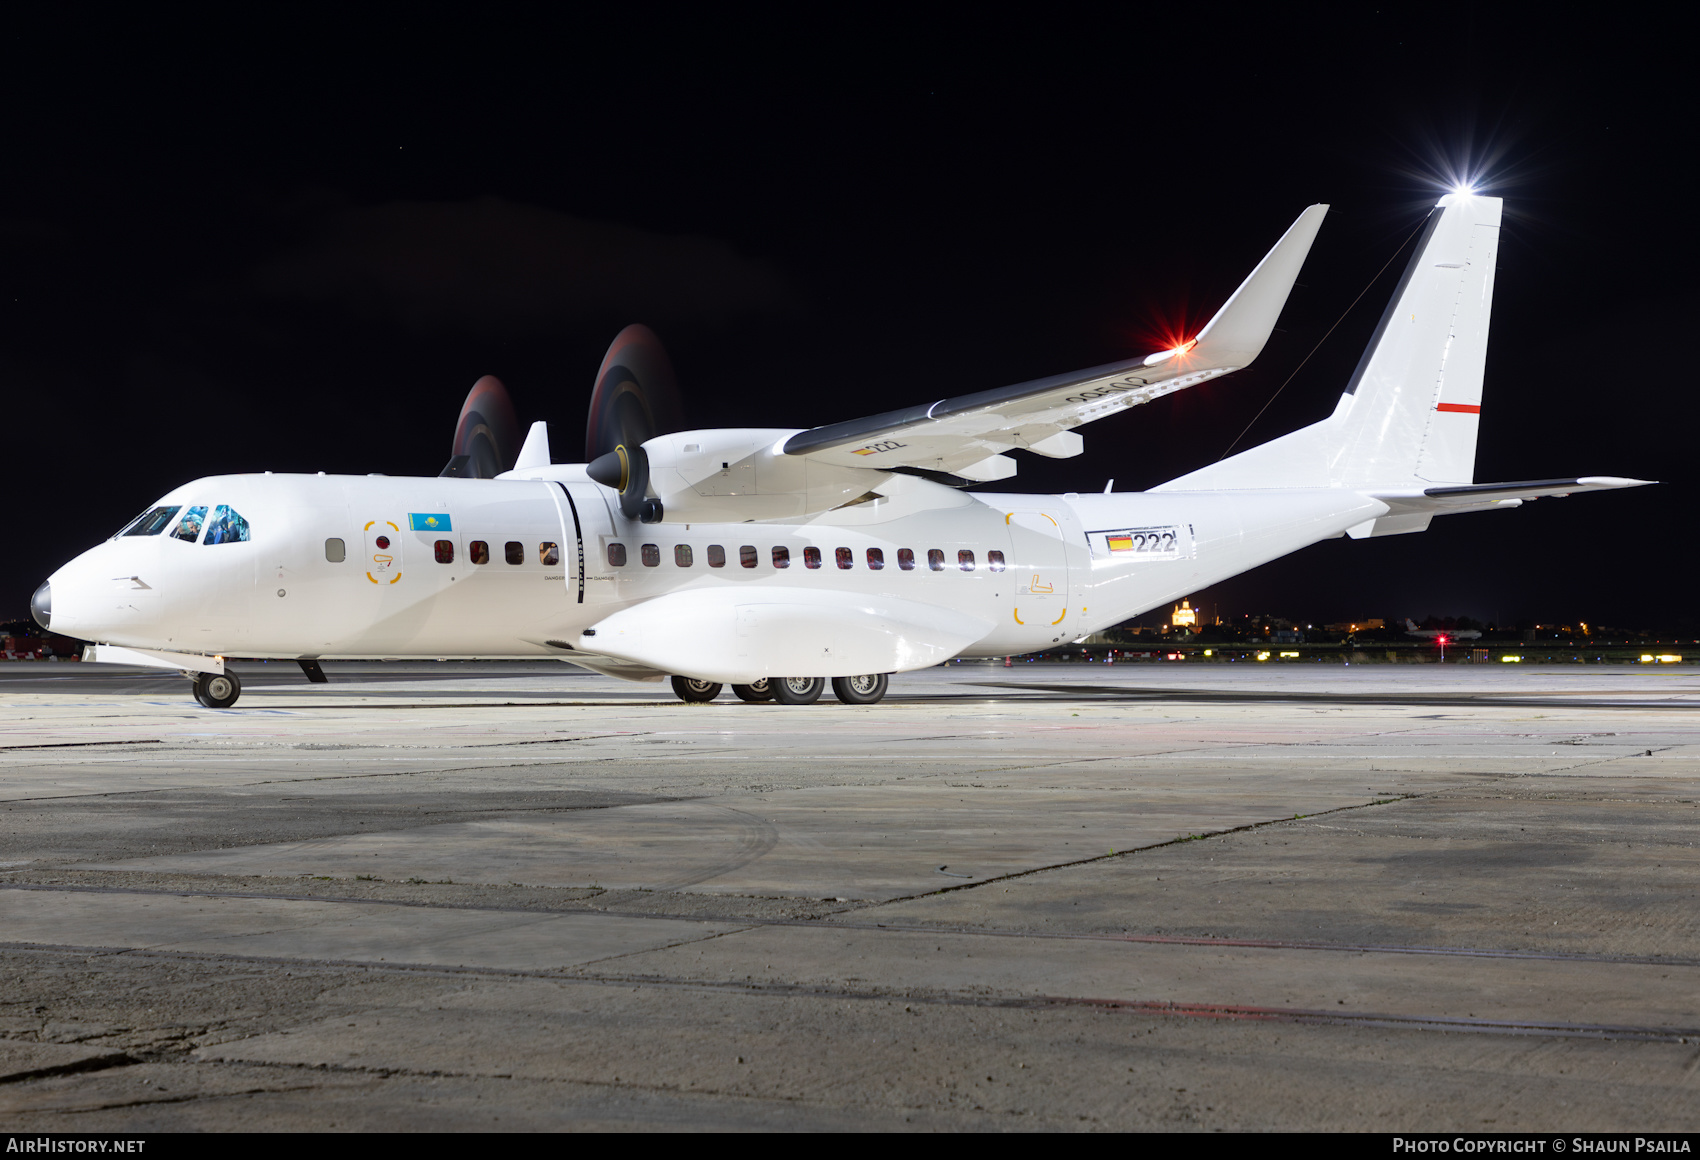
x=1646, y=658
x=1668, y=659
x=1512, y=660
x=1262, y=656
x=1289, y=654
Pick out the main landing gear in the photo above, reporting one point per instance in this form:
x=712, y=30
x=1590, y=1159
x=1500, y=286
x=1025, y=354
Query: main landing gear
x=754, y=692
x=695, y=691
x=216, y=690
x=863, y=690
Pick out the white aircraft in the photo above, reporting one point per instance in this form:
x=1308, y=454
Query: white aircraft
x=774, y=560
x=1444, y=635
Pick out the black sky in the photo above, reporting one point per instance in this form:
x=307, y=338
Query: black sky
x=293, y=244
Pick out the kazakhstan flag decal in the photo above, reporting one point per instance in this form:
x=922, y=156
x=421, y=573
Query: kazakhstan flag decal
x=428, y=521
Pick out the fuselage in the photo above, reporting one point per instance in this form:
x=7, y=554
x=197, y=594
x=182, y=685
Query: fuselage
x=324, y=566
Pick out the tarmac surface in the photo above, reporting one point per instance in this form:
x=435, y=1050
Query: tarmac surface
x=1164, y=896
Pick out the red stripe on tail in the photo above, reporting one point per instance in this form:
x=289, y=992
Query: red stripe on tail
x=1461, y=408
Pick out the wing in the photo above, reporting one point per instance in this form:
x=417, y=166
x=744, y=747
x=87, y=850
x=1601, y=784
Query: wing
x=967, y=435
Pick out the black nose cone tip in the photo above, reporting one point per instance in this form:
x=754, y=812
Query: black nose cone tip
x=41, y=606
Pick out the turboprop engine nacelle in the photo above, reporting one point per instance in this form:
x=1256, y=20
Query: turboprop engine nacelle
x=735, y=474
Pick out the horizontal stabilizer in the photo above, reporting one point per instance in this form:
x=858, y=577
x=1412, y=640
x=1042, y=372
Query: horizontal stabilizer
x=1473, y=495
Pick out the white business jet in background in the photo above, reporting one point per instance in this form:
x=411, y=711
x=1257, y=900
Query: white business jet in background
x=778, y=560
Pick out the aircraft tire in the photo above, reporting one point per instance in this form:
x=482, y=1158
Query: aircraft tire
x=696, y=691
x=865, y=690
x=797, y=690
x=216, y=690
x=755, y=692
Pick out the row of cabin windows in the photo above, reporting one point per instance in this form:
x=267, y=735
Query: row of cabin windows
x=548, y=554
x=749, y=556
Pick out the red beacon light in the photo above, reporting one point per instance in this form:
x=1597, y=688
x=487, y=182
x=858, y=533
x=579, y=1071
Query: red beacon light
x=1163, y=356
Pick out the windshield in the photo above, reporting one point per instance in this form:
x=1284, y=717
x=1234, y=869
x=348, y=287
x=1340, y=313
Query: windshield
x=226, y=527
x=189, y=527
x=151, y=523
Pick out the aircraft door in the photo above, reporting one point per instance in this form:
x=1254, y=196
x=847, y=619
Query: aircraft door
x=587, y=525
x=383, y=559
x=1039, y=560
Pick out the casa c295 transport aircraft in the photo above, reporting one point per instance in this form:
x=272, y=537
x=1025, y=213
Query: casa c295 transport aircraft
x=778, y=560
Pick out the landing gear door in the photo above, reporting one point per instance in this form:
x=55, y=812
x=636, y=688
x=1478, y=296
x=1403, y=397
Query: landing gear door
x=1039, y=560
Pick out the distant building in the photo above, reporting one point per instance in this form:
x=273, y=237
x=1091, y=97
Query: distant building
x=1287, y=636
x=1357, y=625
x=1184, y=616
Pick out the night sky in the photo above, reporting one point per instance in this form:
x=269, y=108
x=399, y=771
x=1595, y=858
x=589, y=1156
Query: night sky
x=290, y=242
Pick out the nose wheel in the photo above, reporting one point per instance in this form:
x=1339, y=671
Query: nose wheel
x=216, y=690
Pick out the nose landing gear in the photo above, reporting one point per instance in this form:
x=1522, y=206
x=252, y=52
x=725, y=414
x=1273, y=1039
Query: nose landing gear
x=216, y=690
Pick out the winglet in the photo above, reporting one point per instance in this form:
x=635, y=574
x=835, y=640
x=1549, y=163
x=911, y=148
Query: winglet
x=1236, y=335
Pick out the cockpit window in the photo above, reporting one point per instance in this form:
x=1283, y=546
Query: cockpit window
x=227, y=527
x=189, y=527
x=151, y=523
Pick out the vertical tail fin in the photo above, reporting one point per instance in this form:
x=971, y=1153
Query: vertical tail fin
x=1411, y=408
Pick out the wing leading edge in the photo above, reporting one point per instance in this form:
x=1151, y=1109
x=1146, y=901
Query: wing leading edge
x=968, y=434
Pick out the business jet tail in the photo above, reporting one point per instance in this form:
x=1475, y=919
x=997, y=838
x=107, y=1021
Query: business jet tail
x=1404, y=430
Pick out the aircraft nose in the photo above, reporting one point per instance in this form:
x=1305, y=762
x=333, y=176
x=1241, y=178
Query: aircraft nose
x=41, y=606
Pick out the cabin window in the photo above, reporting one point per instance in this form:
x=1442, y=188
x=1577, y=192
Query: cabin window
x=682, y=555
x=514, y=552
x=335, y=550
x=151, y=523
x=782, y=557
x=906, y=559
x=616, y=555
x=226, y=527
x=651, y=555
x=811, y=557
x=548, y=554
x=876, y=559
x=994, y=560
x=716, y=556
x=965, y=560
x=479, y=552
x=445, y=551
x=845, y=558
x=935, y=559
x=748, y=556
x=189, y=527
